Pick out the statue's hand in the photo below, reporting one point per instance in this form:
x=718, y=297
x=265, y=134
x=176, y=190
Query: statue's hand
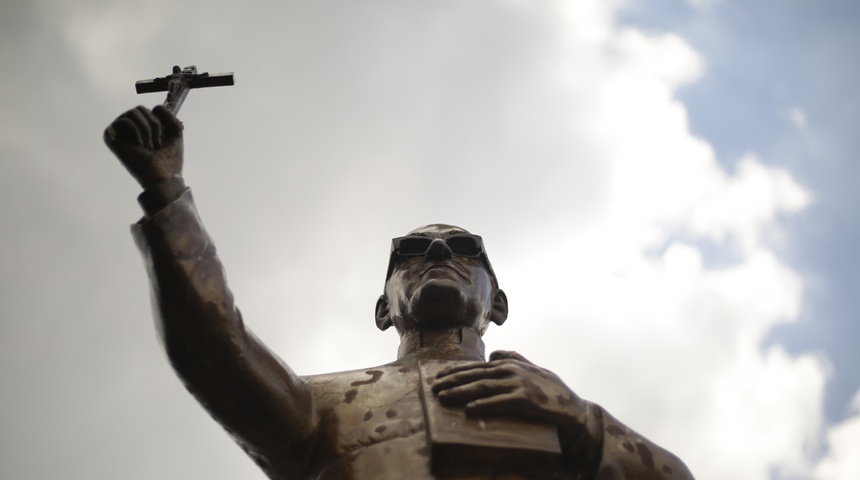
x=148, y=143
x=509, y=385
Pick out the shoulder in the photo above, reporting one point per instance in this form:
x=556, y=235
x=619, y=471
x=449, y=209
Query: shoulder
x=627, y=454
x=391, y=375
x=365, y=389
x=377, y=404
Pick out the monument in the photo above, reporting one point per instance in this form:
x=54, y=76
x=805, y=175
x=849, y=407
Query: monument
x=438, y=411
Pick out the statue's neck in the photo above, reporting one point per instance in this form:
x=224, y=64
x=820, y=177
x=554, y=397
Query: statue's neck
x=445, y=344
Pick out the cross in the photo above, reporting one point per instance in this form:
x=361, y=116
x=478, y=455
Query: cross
x=179, y=82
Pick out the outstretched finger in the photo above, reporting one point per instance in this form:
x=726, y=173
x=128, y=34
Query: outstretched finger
x=474, y=391
x=469, y=376
x=461, y=367
x=504, y=404
x=141, y=123
x=171, y=126
x=155, y=127
x=123, y=131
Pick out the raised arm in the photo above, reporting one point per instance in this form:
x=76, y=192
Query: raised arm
x=264, y=406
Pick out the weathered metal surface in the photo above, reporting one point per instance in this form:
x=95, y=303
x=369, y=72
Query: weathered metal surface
x=439, y=411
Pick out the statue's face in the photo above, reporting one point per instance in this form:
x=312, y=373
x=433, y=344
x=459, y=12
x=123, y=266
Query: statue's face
x=440, y=287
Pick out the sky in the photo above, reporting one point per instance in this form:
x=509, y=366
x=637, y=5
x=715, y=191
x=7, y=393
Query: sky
x=665, y=190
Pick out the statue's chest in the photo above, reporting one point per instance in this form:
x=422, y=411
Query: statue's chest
x=373, y=425
x=365, y=407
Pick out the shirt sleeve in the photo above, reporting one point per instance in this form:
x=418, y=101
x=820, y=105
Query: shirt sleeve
x=161, y=194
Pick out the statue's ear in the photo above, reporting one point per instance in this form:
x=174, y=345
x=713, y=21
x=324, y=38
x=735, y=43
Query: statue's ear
x=500, y=308
x=383, y=320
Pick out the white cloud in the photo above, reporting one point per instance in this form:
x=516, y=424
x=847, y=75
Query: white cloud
x=665, y=57
x=544, y=127
x=843, y=442
x=685, y=342
x=747, y=205
x=585, y=152
x=797, y=117
x=683, y=339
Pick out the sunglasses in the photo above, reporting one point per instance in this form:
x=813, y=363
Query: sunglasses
x=461, y=245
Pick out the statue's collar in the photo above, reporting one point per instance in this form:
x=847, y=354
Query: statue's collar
x=444, y=344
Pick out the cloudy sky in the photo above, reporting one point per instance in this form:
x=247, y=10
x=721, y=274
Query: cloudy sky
x=666, y=190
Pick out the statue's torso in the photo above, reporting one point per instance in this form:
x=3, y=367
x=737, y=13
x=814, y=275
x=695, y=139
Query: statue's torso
x=372, y=426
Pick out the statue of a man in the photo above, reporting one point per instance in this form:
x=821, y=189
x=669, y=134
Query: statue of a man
x=438, y=411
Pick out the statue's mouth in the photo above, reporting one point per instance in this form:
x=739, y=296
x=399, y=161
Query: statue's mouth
x=445, y=266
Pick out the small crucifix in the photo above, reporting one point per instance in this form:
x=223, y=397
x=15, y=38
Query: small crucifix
x=179, y=82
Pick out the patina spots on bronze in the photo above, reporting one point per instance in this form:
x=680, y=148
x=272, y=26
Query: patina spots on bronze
x=476, y=420
x=349, y=396
x=645, y=454
x=375, y=375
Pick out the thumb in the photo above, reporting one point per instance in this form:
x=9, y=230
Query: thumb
x=172, y=125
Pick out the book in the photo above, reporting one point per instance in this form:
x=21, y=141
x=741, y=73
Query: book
x=462, y=444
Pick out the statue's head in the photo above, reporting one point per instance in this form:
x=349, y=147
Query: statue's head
x=439, y=276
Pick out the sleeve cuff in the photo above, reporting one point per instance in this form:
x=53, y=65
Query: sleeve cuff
x=158, y=196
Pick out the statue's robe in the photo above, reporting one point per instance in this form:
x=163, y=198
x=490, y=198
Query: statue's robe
x=364, y=424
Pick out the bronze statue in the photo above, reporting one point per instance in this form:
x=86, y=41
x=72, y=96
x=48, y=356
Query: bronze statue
x=439, y=411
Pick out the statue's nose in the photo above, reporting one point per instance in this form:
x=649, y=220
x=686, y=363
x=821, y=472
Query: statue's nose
x=438, y=250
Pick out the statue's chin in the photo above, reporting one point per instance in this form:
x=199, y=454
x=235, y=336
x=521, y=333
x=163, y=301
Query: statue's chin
x=440, y=303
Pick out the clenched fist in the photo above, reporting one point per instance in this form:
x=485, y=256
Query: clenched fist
x=148, y=143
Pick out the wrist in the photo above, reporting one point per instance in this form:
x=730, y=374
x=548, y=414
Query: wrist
x=158, y=195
